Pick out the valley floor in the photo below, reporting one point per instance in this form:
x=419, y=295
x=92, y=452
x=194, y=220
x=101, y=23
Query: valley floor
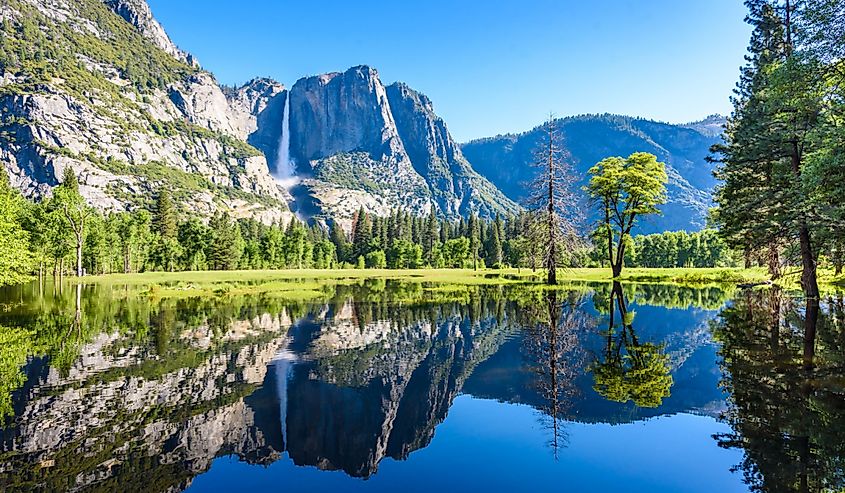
x=310, y=283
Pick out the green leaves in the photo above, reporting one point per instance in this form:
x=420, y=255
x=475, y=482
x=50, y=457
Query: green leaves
x=629, y=187
x=625, y=189
x=15, y=255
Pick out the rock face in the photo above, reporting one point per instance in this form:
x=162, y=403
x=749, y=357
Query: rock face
x=128, y=128
x=454, y=184
x=360, y=143
x=260, y=104
x=506, y=159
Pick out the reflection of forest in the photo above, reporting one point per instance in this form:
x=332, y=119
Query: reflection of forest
x=784, y=366
x=156, y=389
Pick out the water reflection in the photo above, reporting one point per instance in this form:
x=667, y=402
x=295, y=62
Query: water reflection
x=783, y=366
x=109, y=391
x=629, y=369
x=551, y=337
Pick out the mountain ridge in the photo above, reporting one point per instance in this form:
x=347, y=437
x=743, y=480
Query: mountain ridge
x=505, y=159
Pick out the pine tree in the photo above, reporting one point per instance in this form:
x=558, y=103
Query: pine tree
x=778, y=107
x=166, y=222
x=431, y=238
x=494, y=243
x=473, y=233
x=341, y=243
x=166, y=226
x=362, y=233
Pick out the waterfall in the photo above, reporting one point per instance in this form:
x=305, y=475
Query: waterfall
x=285, y=167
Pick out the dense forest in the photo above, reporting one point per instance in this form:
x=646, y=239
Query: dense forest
x=782, y=165
x=63, y=235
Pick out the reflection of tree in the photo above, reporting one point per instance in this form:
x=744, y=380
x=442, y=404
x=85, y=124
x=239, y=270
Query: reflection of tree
x=782, y=363
x=630, y=370
x=552, y=343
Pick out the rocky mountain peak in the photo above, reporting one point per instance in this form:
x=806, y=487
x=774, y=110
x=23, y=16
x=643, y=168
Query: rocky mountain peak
x=138, y=13
x=342, y=112
x=711, y=125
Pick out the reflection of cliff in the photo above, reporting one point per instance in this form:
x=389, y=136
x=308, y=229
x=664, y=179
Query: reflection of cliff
x=125, y=420
x=354, y=404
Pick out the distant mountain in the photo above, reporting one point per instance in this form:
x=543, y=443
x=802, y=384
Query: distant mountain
x=505, y=159
x=712, y=125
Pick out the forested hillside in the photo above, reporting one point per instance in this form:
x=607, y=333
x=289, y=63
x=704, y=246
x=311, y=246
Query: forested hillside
x=506, y=159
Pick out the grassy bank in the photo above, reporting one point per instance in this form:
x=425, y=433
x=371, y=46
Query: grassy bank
x=306, y=283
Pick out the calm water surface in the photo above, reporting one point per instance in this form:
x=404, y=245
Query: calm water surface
x=385, y=386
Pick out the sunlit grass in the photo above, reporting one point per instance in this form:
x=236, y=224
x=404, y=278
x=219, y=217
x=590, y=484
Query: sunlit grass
x=305, y=284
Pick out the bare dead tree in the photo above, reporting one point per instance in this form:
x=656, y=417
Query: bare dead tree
x=553, y=202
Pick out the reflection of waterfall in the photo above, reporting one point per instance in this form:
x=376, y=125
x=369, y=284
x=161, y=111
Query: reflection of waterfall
x=285, y=166
x=283, y=362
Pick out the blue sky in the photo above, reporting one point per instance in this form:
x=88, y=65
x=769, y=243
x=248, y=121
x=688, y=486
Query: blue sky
x=490, y=66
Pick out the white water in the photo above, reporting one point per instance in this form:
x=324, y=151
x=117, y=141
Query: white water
x=283, y=363
x=285, y=166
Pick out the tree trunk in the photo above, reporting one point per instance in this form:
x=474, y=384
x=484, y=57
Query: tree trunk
x=79, y=256
x=609, y=240
x=774, y=261
x=808, y=261
x=747, y=254
x=620, y=256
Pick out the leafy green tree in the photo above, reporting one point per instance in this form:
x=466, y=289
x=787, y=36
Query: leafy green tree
x=100, y=256
x=75, y=211
x=295, y=246
x=404, y=254
x=324, y=254
x=15, y=256
x=195, y=239
x=376, y=260
x=134, y=238
x=456, y=253
x=624, y=190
